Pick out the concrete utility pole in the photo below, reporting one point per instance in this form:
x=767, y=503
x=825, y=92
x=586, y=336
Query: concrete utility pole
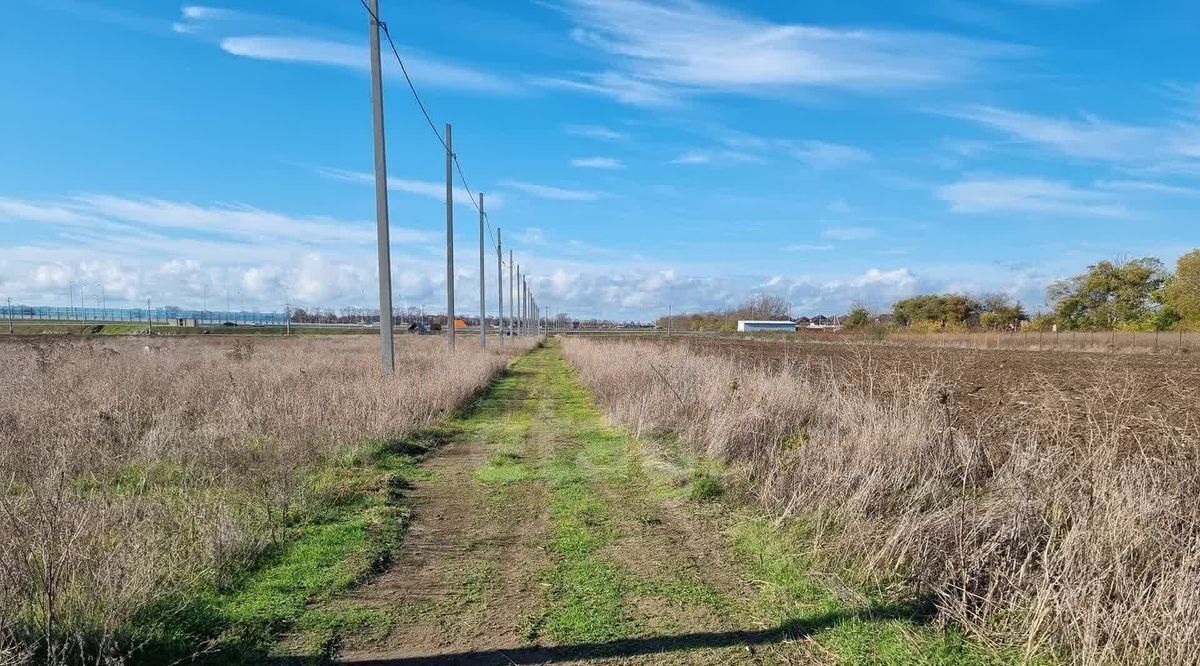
x=482, y=302
x=512, y=292
x=449, y=236
x=10, y=313
x=520, y=301
x=499, y=284
x=387, y=358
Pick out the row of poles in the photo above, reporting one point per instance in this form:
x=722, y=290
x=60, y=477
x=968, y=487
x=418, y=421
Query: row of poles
x=524, y=315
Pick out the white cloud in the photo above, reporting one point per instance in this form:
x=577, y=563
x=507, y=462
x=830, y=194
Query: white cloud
x=826, y=154
x=850, y=233
x=202, y=13
x=595, y=132
x=620, y=87
x=1091, y=137
x=531, y=236
x=105, y=213
x=1027, y=195
x=17, y=210
x=597, y=163
x=810, y=247
x=720, y=156
x=693, y=157
x=270, y=38
x=743, y=147
x=423, y=69
x=1149, y=187
x=551, y=192
x=664, y=51
x=431, y=189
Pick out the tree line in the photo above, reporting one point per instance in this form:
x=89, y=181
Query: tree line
x=1135, y=295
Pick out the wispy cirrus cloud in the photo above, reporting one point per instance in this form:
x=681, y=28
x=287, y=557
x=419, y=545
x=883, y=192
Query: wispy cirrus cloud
x=552, y=192
x=716, y=156
x=826, y=154
x=597, y=163
x=268, y=38
x=810, y=247
x=1148, y=187
x=743, y=147
x=1091, y=137
x=1028, y=195
x=600, y=132
x=99, y=216
x=663, y=52
x=431, y=189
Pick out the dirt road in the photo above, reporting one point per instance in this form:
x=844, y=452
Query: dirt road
x=542, y=535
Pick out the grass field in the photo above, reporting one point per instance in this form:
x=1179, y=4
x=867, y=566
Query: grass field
x=240, y=500
x=196, y=494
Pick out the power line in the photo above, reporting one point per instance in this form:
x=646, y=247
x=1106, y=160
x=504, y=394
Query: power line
x=425, y=112
x=416, y=96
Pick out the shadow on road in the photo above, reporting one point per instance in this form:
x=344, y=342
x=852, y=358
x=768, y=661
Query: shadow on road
x=632, y=647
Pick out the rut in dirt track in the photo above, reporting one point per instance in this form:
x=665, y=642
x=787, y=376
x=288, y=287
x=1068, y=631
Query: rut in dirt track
x=483, y=576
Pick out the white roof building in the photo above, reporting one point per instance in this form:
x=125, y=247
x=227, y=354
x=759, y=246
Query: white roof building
x=748, y=326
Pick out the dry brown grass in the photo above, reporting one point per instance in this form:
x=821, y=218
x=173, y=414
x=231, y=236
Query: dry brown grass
x=1068, y=524
x=133, y=471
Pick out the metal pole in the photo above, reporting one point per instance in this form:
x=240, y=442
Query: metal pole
x=10, y=326
x=450, y=235
x=482, y=302
x=387, y=358
x=499, y=284
x=287, y=318
x=149, y=320
x=512, y=293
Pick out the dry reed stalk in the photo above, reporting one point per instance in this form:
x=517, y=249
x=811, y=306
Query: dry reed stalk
x=1071, y=525
x=136, y=471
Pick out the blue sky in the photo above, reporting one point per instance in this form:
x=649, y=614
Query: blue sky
x=634, y=153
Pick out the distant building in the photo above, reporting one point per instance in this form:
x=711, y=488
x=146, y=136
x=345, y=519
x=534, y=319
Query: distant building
x=750, y=326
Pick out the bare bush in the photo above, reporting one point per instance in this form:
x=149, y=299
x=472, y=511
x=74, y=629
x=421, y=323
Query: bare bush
x=132, y=474
x=1066, y=523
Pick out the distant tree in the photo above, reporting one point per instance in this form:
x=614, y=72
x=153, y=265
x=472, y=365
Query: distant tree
x=764, y=306
x=944, y=310
x=1110, y=295
x=858, y=319
x=1041, y=322
x=1182, y=292
x=998, y=311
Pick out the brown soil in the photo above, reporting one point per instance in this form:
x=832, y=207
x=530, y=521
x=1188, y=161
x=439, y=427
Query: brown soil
x=467, y=576
x=987, y=383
